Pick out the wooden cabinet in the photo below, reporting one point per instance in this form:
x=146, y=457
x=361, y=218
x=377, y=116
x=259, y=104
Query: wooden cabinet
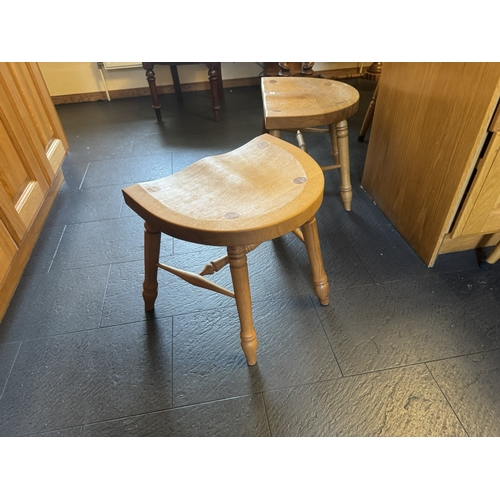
x=32, y=149
x=433, y=162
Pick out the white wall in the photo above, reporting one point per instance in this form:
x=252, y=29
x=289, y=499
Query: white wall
x=67, y=78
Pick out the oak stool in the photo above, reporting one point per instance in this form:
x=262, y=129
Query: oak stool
x=258, y=192
x=302, y=104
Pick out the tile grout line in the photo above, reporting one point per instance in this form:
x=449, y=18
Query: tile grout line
x=11, y=368
x=84, y=175
x=444, y=396
x=57, y=248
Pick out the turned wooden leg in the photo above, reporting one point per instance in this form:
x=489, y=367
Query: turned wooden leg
x=239, y=273
x=342, y=133
x=300, y=141
x=213, y=76
x=368, y=117
x=320, y=279
x=335, y=147
x=177, y=82
x=152, y=239
x=275, y=133
x=494, y=255
x=151, y=78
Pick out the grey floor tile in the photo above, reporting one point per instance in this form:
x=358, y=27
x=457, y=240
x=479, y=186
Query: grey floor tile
x=76, y=205
x=209, y=363
x=401, y=402
x=55, y=303
x=479, y=294
x=45, y=250
x=128, y=170
x=75, y=379
x=74, y=173
x=103, y=149
x=385, y=254
x=400, y=323
x=238, y=417
x=64, y=433
x=102, y=242
x=470, y=384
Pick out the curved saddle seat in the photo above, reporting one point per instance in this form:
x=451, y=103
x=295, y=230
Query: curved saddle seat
x=256, y=193
x=301, y=104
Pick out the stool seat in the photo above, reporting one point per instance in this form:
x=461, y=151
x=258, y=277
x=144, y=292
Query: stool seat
x=299, y=104
x=240, y=199
x=258, y=192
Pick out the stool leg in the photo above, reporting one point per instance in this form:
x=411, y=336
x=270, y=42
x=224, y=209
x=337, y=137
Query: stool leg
x=320, y=279
x=275, y=133
x=335, y=148
x=241, y=285
x=152, y=239
x=342, y=133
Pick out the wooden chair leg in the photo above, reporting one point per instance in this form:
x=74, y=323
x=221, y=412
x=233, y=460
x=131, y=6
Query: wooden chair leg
x=152, y=239
x=368, y=117
x=239, y=274
x=341, y=133
x=151, y=78
x=214, y=78
x=320, y=279
x=177, y=82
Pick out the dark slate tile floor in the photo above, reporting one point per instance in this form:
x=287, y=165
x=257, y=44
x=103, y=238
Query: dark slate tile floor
x=402, y=350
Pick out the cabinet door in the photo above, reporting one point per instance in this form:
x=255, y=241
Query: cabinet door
x=22, y=183
x=36, y=110
x=32, y=145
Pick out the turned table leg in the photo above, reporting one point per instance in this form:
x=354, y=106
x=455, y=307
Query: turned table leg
x=320, y=279
x=152, y=239
x=151, y=78
x=239, y=273
x=215, y=87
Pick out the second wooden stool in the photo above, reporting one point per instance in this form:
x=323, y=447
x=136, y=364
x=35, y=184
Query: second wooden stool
x=298, y=104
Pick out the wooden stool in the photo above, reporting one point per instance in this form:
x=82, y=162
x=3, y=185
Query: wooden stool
x=301, y=104
x=258, y=192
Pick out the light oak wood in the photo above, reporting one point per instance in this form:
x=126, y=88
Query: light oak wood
x=494, y=255
x=301, y=104
x=481, y=211
x=256, y=193
x=429, y=127
x=32, y=149
x=467, y=242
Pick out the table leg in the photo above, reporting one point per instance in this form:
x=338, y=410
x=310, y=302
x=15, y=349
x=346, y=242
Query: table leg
x=151, y=78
